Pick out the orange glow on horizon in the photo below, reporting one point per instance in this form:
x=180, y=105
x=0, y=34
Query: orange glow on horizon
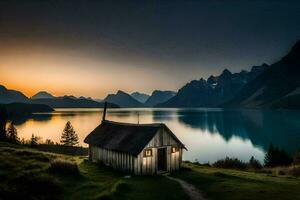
x=57, y=73
x=62, y=72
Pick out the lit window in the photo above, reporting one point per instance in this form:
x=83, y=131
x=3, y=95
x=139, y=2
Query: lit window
x=174, y=149
x=148, y=153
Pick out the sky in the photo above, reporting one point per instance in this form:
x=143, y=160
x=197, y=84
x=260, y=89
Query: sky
x=92, y=48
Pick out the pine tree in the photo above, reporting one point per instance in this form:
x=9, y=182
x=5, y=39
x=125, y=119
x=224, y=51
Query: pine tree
x=254, y=164
x=269, y=156
x=23, y=142
x=3, y=121
x=12, y=134
x=276, y=157
x=69, y=136
x=33, y=140
x=49, y=142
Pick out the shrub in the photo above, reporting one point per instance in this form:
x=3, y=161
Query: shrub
x=254, y=164
x=281, y=172
x=202, y=164
x=34, y=140
x=206, y=164
x=291, y=170
x=49, y=142
x=265, y=170
x=276, y=157
x=296, y=159
x=64, y=167
x=3, y=121
x=294, y=171
x=230, y=163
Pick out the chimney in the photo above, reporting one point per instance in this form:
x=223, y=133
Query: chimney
x=104, y=111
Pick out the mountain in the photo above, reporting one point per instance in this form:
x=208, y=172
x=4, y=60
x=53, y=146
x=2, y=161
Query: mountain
x=45, y=98
x=123, y=100
x=214, y=91
x=71, y=102
x=290, y=101
x=287, y=102
x=141, y=97
x=11, y=96
x=159, y=96
x=42, y=95
x=276, y=87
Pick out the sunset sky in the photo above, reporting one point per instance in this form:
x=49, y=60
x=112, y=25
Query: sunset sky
x=93, y=48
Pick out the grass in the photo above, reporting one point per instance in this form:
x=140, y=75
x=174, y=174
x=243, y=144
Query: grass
x=98, y=182
x=21, y=175
x=293, y=170
x=64, y=167
x=225, y=184
x=31, y=174
x=61, y=149
x=149, y=188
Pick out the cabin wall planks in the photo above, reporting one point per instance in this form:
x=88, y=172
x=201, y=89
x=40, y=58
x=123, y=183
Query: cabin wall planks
x=141, y=165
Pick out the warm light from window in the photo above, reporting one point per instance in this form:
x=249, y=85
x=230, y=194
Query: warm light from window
x=148, y=153
x=173, y=149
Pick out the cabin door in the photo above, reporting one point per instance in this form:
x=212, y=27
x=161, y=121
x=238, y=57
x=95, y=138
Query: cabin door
x=162, y=159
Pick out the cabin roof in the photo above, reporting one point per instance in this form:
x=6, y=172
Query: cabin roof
x=125, y=137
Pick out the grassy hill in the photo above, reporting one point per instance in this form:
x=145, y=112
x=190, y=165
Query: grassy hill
x=31, y=174
x=28, y=174
x=230, y=184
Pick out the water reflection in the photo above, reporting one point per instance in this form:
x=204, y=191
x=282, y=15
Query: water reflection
x=209, y=134
x=281, y=128
x=19, y=120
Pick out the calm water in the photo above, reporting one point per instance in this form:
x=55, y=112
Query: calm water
x=209, y=134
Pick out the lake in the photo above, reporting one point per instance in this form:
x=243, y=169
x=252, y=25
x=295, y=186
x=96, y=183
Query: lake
x=209, y=134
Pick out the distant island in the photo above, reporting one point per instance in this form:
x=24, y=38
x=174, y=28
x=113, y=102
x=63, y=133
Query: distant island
x=71, y=102
x=23, y=109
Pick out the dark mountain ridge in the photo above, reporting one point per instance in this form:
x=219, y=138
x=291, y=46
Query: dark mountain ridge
x=276, y=87
x=213, y=91
x=123, y=100
x=11, y=96
x=141, y=97
x=159, y=96
x=42, y=95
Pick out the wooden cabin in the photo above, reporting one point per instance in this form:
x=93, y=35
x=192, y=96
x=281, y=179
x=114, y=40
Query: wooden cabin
x=135, y=148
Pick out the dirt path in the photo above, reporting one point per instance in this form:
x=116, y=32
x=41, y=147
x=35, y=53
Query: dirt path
x=190, y=190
